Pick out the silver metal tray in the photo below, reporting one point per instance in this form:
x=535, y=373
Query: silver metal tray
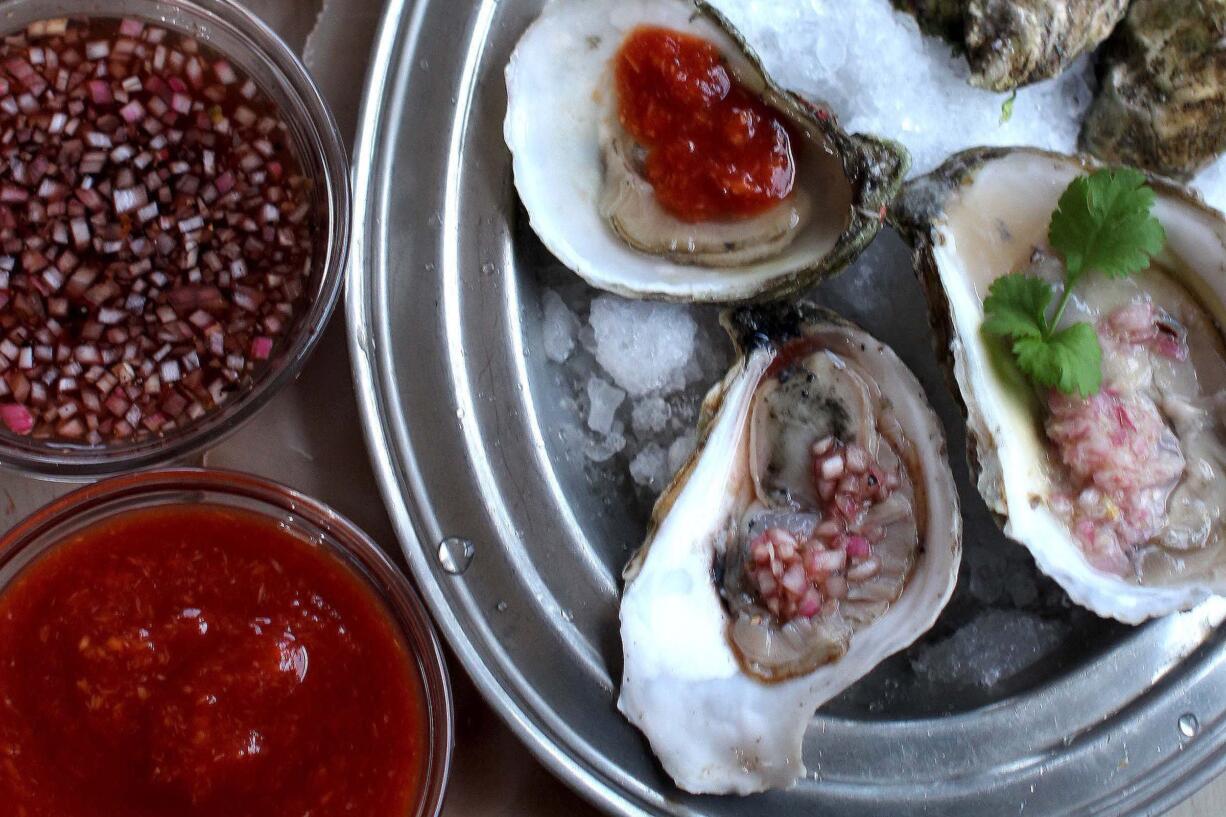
x=461, y=409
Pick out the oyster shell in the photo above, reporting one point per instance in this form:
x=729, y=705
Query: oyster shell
x=721, y=670
x=578, y=173
x=1162, y=101
x=1119, y=498
x=938, y=18
x=1011, y=43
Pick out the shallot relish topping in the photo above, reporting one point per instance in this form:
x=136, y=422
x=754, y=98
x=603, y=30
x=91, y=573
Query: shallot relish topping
x=714, y=150
x=802, y=578
x=1123, y=459
x=155, y=230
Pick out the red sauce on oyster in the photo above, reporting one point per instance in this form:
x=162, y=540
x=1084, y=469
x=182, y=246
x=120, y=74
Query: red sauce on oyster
x=714, y=150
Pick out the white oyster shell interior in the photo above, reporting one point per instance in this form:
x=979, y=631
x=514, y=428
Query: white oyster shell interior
x=715, y=728
x=558, y=88
x=990, y=225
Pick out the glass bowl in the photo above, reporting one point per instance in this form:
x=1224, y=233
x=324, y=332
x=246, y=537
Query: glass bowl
x=250, y=44
x=310, y=520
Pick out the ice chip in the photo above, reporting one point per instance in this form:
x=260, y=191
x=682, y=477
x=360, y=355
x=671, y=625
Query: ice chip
x=558, y=328
x=1211, y=183
x=643, y=345
x=650, y=415
x=601, y=448
x=649, y=468
x=604, y=400
x=680, y=451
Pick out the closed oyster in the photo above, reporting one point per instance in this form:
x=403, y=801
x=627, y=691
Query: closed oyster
x=1162, y=102
x=1120, y=497
x=813, y=533
x=582, y=180
x=1011, y=43
x=938, y=18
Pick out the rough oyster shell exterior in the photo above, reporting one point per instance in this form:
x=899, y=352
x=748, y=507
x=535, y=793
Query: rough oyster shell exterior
x=1011, y=43
x=1162, y=104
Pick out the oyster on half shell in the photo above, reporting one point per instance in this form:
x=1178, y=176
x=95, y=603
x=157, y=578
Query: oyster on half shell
x=813, y=533
x=580, y=175
x=1120, y=497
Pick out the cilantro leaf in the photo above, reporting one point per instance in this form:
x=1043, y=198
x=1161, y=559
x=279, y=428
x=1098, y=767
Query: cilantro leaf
x=1070, y=360
x=1016, y=306
x=1103, y=222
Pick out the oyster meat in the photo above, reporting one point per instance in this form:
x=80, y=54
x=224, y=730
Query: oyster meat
x=581, y=174
x=1011, y=43
x=813, y=533
x=1162, y=101
x=1120, y=496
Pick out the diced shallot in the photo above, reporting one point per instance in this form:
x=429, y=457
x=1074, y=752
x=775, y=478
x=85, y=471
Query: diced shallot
x=261, y=348
x=132, y=112
x=17, y=418
x=158, y=230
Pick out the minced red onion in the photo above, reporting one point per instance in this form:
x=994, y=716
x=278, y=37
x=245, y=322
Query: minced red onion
x=17, y=418
x=154, y=230
x=261, y=347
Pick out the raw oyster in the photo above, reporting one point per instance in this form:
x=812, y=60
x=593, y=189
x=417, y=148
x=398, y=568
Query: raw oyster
x=579, y=175
x=1119, y=497
x=813, y=533
x=1010, y=43
x=1162, y=101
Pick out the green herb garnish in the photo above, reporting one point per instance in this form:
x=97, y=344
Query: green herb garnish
x=1103, y=223
x=1006, y=107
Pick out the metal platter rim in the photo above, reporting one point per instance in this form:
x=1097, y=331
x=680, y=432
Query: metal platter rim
x=360, y=332
x=404, y=494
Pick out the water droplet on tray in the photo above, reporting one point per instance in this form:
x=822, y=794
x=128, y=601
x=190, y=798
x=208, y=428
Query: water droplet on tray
x=501, y=606
x=488, y=268
x=1188, y=725
x=455, y=554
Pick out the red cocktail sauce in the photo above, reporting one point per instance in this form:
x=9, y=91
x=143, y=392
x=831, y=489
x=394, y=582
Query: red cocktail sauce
x=201, y=661
x=714, y=150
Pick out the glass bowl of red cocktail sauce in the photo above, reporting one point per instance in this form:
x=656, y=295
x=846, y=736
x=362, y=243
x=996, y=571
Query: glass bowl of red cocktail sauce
x=174, y=220
x=203, y=643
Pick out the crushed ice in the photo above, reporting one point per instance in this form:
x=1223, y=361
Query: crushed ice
x=880, y=75
x=644, y=345
x=874, y=68
x=993, y=647
x=633, y=374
